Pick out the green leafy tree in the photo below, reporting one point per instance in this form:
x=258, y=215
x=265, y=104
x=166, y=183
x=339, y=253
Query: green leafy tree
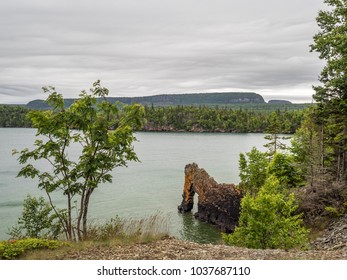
x=268, y=220
x=38, y=220
x=104, y=133
x=253, y=168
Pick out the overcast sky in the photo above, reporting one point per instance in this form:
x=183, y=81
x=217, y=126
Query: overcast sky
x=148, y=47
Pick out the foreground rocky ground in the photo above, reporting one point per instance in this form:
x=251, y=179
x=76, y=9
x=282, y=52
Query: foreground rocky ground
x=331, y=245
x=173, y=249
x=334, y=237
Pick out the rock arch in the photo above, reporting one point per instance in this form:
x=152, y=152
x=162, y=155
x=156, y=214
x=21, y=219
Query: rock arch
x=218, y=204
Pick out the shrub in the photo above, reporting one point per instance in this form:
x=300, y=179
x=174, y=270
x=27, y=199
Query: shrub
x=13, y=249
x=267, y=220
x=37, y=221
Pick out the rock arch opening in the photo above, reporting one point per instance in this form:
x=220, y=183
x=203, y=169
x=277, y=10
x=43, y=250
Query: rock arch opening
x=218, y=204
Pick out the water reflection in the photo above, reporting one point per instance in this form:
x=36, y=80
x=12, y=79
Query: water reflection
x=197, y=231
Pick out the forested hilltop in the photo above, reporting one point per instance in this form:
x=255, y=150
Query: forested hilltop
x=198, y=112
x=208, y=99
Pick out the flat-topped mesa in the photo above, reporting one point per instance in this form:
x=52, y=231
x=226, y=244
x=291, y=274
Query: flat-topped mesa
x=218, y=204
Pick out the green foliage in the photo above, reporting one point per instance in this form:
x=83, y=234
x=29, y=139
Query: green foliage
x=207, y=99
x=217, y=119
x=251, y=101
x=104, y=132
x=229, y=118
x=149, y=228
x=331, y=96
x=319, y=147
x=268, y=216
x=334, y=212
x=10, y=250
x=111, y=229
x=283, y=168
x=274, y=128
x=14, y=116
x=38, y=220
x=330, y=42
x=253, y=168
x=268, y=220
x=303, y=147
x=311, y=152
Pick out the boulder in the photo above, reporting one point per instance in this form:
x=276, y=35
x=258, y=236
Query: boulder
x=218, y=204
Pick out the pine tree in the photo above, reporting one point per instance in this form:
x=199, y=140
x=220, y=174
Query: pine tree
x=331, y=95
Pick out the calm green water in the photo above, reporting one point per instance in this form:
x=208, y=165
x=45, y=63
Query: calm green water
x=145, y=188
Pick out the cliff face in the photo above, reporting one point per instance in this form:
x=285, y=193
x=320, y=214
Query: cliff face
x=218, y=204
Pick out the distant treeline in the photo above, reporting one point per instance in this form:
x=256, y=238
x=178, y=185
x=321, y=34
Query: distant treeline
x=14, y=116
x=190, y=118
x=216, y=119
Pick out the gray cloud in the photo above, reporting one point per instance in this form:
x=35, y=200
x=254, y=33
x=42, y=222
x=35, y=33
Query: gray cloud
x=149, y=47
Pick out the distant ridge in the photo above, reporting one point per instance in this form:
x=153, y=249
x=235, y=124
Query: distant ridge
x=279, y=101
x=216, y=98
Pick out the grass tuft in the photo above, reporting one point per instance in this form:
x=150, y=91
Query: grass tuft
x=130, y=230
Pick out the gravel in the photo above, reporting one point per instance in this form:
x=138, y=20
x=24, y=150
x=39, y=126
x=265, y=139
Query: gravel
x=174, y=249
x=331, y=245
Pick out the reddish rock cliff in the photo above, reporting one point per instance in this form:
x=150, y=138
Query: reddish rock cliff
x=218, y=204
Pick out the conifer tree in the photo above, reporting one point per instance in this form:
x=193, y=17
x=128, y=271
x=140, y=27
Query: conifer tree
x=331, y=95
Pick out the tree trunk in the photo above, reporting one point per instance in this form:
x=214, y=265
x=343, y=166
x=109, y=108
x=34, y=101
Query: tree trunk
x=322, y=171
x=80, y=215
x=85, y=213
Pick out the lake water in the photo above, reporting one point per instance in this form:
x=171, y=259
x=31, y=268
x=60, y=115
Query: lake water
x=144, y=188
